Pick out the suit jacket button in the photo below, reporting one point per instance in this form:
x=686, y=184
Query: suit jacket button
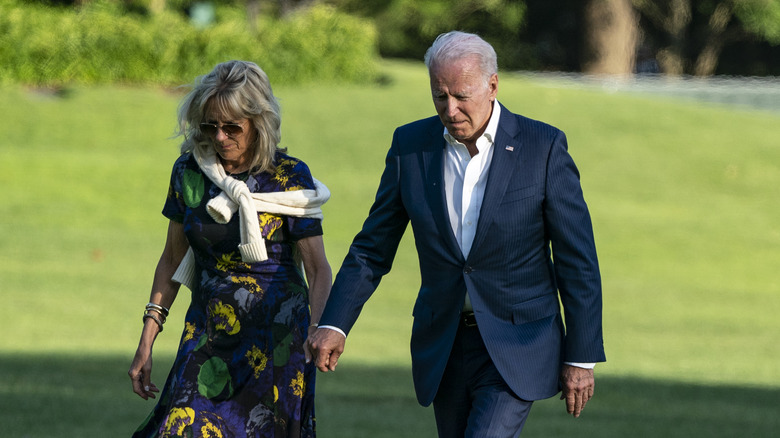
x=467, y=270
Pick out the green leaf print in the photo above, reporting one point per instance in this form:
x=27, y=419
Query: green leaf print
x=282, y=351
x=213, y=378
x=192, y=188
x=202, y=341
x=295, y=288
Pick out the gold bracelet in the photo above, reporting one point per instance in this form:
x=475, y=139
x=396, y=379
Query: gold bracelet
x=155, y=319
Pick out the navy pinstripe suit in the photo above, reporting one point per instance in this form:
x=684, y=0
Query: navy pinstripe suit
x=533, y=209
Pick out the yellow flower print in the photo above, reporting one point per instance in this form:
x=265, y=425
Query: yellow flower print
x=178, y=420
x=282, y=178
x=269, y=223
x=249, y=283
x=189, y=331
x=224, y=317
x=209, y=430
x=230, y=261
x=298, y=385
x=283, y=170
x=257, y=360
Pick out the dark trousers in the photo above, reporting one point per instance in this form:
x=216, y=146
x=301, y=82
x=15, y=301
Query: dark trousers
x=473, y=399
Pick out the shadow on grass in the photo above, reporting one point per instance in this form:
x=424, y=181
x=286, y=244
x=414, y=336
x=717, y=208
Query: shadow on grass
x=68, y=396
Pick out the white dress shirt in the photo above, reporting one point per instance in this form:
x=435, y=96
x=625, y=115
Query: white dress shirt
x=465, y=178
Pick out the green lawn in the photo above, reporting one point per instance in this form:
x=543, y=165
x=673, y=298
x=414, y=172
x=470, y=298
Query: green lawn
x=685, y=206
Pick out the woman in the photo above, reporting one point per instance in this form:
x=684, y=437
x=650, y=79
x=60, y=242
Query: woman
x=241, y=369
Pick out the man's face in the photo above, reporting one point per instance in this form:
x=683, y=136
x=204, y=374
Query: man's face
x=462, y=99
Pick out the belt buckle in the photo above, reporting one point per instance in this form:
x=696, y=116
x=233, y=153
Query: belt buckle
x=468, y=319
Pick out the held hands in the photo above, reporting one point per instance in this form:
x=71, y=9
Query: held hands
x=577, y=388
x=325, y=346
x=140, y=374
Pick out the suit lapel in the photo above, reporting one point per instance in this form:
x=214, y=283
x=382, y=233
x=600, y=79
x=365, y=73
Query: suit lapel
x=433, y=163
x=506, y=150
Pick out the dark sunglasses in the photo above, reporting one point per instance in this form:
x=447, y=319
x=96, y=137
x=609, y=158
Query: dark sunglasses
x=230, y=129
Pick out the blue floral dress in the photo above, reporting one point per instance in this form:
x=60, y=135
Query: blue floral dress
x=240, y=369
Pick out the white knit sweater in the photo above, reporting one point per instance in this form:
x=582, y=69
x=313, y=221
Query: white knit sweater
x=236, y=196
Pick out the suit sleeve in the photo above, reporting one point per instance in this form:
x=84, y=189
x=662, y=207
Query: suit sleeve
x=575, y=263
x=371, y=254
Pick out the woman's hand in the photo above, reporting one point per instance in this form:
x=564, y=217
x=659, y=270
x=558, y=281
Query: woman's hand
x=141, y=374
x=164, y=291
x=306, y=348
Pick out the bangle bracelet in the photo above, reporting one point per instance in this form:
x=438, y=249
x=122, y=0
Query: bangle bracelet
x=162, y=310
x=155, y=319
x=162, y=315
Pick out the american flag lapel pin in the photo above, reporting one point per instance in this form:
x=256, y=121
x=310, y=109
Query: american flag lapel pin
x=510, y=148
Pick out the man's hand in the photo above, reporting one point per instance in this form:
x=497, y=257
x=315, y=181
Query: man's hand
x=577, y=388
x=326, y=346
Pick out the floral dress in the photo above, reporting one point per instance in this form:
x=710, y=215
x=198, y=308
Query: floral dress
x=240, y=369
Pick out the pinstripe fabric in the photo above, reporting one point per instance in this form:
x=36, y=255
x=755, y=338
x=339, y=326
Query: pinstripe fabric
x=533, y=211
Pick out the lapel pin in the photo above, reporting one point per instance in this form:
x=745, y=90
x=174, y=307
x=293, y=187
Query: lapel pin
x=510, y=148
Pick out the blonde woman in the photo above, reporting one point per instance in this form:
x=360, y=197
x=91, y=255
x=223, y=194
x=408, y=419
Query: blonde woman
x=244, y=216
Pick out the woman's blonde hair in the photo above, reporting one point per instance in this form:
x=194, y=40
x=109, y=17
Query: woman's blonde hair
x=235, y=90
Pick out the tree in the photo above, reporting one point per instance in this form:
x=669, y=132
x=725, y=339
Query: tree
x=611, y=37
x=693, y=34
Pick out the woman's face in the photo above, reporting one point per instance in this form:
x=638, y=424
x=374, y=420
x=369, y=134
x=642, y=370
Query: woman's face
x=233, y=141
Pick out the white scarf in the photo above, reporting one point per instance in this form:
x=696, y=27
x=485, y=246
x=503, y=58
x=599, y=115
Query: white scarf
x=236, y=196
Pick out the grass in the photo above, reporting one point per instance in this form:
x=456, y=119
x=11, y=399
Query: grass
x=683, y=198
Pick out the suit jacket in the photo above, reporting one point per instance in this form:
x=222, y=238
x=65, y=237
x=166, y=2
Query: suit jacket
x=533, y=209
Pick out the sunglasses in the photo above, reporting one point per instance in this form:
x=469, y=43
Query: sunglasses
x=230, y=129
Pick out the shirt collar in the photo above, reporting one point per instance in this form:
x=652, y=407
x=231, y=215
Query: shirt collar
x=490, y=130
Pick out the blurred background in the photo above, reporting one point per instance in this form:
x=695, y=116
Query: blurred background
x=50, y=41
x=671, y=108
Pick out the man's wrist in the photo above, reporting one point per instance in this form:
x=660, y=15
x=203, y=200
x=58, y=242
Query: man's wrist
x=586, y=365
x=334, y=328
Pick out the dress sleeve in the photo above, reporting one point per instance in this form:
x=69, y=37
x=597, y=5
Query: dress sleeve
x=175, y=205
x=301, y=227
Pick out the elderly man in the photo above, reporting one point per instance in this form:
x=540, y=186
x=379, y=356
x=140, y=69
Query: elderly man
x=502, y=233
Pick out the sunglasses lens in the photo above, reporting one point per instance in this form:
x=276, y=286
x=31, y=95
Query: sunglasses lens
x=208, y=129
x=231, y=129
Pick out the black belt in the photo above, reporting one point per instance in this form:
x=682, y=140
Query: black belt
x=467, y=319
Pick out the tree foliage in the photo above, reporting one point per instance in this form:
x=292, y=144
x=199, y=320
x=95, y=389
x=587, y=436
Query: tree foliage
x=339, y=40
x=408, y=27
x=760, y=18
x=690, y=36
x=103, y=42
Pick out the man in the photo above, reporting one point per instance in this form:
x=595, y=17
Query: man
x=493, y=198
